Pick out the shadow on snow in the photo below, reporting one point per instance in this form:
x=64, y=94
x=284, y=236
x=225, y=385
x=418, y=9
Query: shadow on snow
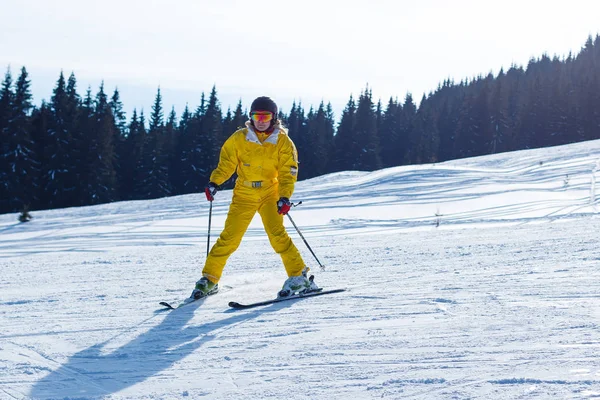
x=96, y=373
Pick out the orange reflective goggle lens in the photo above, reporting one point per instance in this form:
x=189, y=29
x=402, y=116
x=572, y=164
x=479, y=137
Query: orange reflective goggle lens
x=262, y=117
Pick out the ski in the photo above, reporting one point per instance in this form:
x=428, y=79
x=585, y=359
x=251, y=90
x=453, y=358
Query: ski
x=169, y=306
x=239, y=306
x=187, y=301
x=184, y=303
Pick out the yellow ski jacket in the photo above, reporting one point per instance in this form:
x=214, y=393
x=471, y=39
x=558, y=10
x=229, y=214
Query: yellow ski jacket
x=259, y=164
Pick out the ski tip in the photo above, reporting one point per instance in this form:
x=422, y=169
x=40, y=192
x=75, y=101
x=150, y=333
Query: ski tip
x=234, y=304
x=164, y=303
x=338, y=290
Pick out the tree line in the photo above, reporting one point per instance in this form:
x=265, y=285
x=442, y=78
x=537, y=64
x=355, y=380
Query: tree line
x=74, y=151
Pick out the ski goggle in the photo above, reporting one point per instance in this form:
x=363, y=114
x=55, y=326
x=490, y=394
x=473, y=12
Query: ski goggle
x=261, y=116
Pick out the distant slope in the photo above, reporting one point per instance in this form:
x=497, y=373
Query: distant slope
x=509, y=187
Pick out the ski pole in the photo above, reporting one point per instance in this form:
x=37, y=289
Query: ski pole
x=209, y=223
x=302, y=236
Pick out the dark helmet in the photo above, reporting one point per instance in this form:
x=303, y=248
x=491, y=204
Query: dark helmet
x=264, y=103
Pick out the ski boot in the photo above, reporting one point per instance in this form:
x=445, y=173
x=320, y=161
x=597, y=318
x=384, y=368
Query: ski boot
x=204, y=288
x=298, y=285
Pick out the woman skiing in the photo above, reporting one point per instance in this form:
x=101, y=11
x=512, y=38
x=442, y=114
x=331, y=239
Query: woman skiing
x=266, y=162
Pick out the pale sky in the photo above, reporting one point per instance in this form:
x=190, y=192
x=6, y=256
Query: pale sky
x=306, y=50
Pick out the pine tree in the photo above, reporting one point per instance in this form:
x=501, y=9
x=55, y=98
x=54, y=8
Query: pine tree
x=171, y=134
x=180, y=153
x=473, y=120
x=78, y=126
x=485, y=132
x=239, y=118
x=366, y=135
x=212, y=137
x=449, y=100
x=23, y=167
x=197, y=148
x=40, y=119
x=6, y=101
x=155, y=158
x=227, y=122
x=318, y=144
x=296, y=123
x=185, y=118
x=192, y=158
x=201, y=110
x=140, y=172
x=190, y=145
x=329, y=136
x=58, y=175
x=116, y=107
x=85, y=143
x=6, y=98
x=586, y=68
x=233, y=121
x=129, y=153
x=345, y=140
x=515, y=77
x=379, y=124
x=535, y=109
x=561, y=103
x=406, y=127
x=498, y=107
x=427, y=138
x=101, y=181
x=305, y=140
x=389, y=135
x=157, y=116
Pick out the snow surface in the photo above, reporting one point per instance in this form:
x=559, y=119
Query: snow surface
x=500, y=301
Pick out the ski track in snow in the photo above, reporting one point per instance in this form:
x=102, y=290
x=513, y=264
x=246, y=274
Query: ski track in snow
x=501, y=301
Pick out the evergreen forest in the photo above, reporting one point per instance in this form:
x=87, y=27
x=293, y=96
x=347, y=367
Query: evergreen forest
x=76, y=150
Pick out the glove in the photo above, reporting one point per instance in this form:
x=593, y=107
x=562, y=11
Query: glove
x=210, y=190
x=283, y=205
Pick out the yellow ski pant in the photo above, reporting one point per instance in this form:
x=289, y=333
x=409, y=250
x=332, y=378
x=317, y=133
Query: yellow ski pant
x=246, y=202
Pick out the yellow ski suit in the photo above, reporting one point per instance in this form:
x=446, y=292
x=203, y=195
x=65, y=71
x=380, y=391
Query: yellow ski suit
x=267, y=168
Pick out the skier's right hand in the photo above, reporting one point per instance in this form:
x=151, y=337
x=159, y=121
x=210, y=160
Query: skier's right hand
x=210, y=190
x=283, y=205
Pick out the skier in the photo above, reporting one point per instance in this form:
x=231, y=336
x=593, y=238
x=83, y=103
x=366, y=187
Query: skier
x=266, y=162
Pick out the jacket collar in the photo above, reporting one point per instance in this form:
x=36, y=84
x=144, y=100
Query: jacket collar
x=252, y=137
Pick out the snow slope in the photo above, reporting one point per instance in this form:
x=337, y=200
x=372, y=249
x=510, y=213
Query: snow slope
x=476, y=278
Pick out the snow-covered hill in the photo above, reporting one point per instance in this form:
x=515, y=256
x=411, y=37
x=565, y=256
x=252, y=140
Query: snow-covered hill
x=476, y=278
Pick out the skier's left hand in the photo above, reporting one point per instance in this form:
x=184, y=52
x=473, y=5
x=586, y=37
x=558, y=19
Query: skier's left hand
x=283, y=205
x=210, y=190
